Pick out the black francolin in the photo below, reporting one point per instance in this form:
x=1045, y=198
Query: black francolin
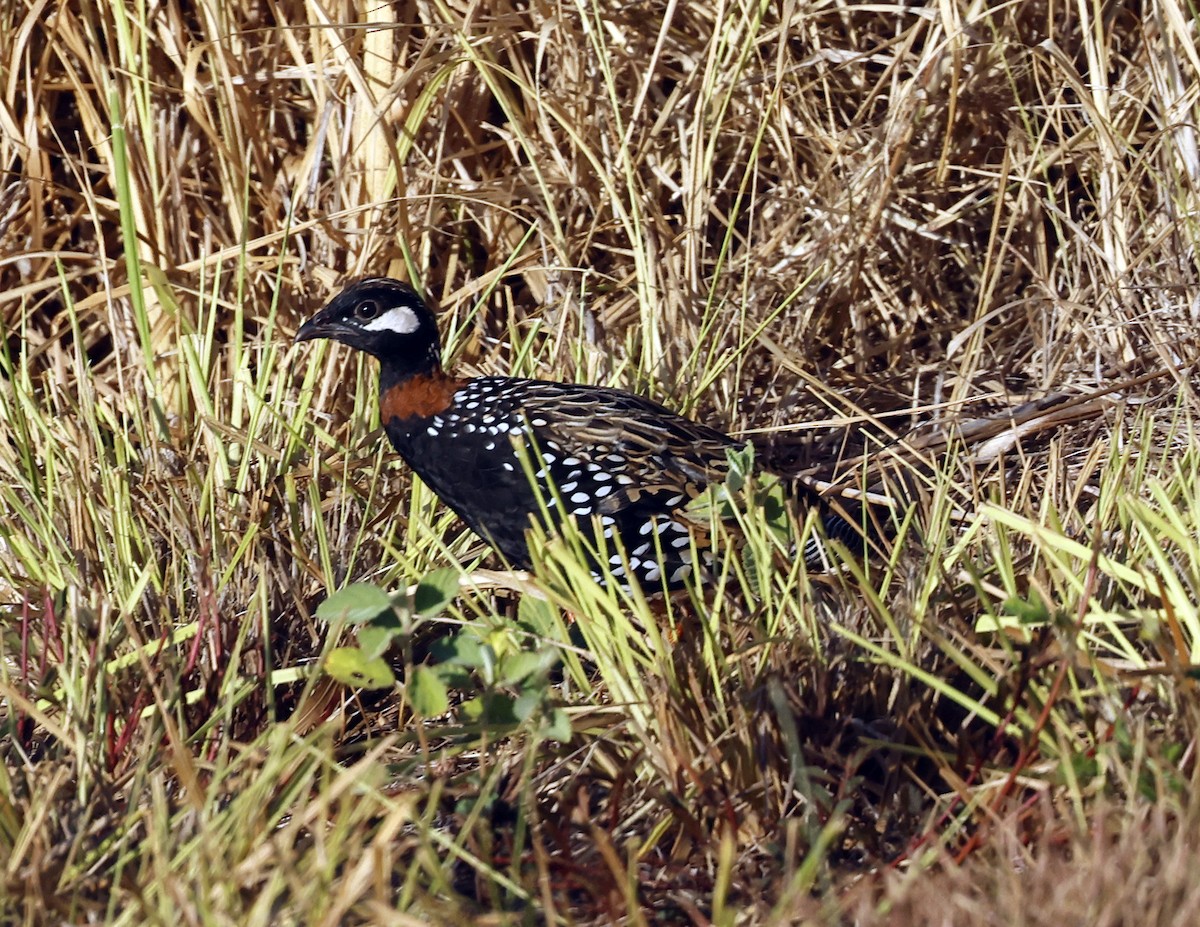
x=593, y=451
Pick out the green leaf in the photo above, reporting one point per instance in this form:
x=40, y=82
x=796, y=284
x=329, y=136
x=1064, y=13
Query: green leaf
x=463, y=649
x=558, y=726
x=351, y=667
x=525, y=704
x=756, y=576
x=427, y=692
x=537, y=615
x=455, y=677
x=487, y=664
x=490, y=708
x=471, y=709
x=775, y=506
x=521, y=665
x=715, y=500
x=503, y=641
x=741, y=465
x=356, y=604
x=375, y=639
x=436, y=591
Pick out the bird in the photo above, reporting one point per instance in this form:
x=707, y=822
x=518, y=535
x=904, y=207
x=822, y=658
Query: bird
x=504, y=452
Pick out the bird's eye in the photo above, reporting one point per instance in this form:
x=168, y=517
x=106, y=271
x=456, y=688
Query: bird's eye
x=366, y=310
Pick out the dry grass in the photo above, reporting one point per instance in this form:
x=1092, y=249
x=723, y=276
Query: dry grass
x=860, y=235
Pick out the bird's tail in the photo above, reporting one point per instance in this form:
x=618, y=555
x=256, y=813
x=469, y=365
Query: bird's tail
x=859, y=526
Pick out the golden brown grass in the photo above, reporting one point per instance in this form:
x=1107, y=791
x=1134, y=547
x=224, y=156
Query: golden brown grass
x=860, y=234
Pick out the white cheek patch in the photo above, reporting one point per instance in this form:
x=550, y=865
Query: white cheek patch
x=399, y=319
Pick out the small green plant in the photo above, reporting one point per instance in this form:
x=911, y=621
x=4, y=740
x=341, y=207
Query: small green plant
x=758, y=505
x=505, y=681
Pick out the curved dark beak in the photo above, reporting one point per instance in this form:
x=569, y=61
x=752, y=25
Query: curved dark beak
x=313, y=328
x=329, y=323
x=326, y=324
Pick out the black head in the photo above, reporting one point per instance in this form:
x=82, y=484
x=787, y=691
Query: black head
x=385, y=318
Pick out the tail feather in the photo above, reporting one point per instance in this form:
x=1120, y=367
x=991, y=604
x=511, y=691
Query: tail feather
x=854, y=525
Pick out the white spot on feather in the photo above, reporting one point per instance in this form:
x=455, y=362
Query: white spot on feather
x=680, y=574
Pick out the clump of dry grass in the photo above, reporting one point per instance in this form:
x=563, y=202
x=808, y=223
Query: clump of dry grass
x=860, y=235
x=1131, y=865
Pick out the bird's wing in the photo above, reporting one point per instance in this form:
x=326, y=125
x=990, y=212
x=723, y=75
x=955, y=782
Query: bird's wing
x=654, y=459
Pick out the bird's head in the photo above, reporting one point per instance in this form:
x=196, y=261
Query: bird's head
x=384, y=318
